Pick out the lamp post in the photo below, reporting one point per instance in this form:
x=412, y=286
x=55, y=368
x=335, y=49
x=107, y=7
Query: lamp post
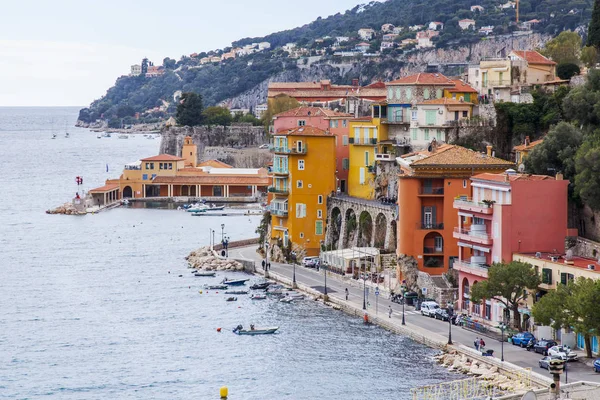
x=267, y=260
x=364, y=284
x=450, y=312
x=222, y=233
x=502, y=327
x=324, y=266
x=403, y=301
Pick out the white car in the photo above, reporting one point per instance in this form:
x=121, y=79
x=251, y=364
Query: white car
x=263, y=146
x=428, y=308
x=562, y=352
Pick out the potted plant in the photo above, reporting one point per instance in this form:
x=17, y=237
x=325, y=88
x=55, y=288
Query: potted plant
x=488, y=203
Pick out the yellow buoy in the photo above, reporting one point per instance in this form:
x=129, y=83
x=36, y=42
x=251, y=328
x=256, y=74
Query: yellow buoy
x=200, y=291
x=223, y=392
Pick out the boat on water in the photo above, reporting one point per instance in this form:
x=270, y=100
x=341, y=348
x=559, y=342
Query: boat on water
x=67, y=135
x=205, y=273
x=107, y=134
x=236, y=292
x=275, y=290
x=201, y=207
x=286, y=300
x=254, y=331
x=231, y=299
x=98, y=136
x=235, y=282
x=258, y=297
x=53, y=136
x=216, y=287
x=123, y=136
x=260, y=286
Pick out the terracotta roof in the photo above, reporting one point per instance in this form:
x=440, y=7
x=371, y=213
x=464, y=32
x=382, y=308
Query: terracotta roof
x=311, y=112
x=533, y=57
x=577, y=262
x=461, y=87
x=106, y=188
x=304, y=131
x=208, y=179
x=467, y=20
x=529, y=146
x=215, y=164
x=423, y=78
x=163, y=157
x=334, y=92
x=511, y=177
x=305, y=85
x=451, y=155
x=447, y=102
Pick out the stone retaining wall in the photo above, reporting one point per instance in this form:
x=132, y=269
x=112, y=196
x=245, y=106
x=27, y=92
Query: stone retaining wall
x=237, y=243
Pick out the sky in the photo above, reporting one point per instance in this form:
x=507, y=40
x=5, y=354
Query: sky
x=69, y=52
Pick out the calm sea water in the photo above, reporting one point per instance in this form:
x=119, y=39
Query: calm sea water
x=93, y=307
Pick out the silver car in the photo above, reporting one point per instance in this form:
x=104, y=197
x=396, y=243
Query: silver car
x=563, y=353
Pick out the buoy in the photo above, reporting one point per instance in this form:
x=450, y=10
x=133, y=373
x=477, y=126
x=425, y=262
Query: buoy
x=366, y=318
x=223, y=392
x=200, y=291
x=218, y=329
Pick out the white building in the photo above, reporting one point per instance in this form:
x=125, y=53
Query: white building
x=416, y=27
x=259, y=110
x=366, y=33
x=466, y=23
x=177, y=96
x=436, y=26
x=387, y=28
x=424, y=38
x=289, y=47
x=477, y=8
x=397, y=30
x=386, y=45
x=341, y=39
x=136, y=70
x=486, y=30
x=264, y=46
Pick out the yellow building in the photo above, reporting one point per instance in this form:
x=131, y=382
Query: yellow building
x=303, y=176
x=462, y=91
x=366, y=135
x=522, y=150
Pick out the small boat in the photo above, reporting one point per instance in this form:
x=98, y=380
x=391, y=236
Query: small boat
x=216, y=287
x=231, y=299
x=54, y=136
x=258, y=297
x=254, y=331
x=212, y=207
x=275, y=290
x=235, y=282
x=286, y=299
x=125, y=202
x=205, y=273
x=67, y=135
x=123, y=136
x=237, y=292
x=260, y=286
x=107, y=134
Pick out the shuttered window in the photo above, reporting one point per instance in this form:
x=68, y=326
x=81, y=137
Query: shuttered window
x=318, y=227
x=430, y=117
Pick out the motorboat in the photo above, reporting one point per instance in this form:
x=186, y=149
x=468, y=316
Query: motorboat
x=107, y=134
x=254, y=331
x=200, y=207
x=286, y=299
x=237, y=292
x=235, y=282
x=231, y=299
x=54, y=136
x=275, y=290
x=205, y=273
x=212, y=207
x=216, y=287
x=98, y=136
x=125, y=202
x=258, y=297
x=123, y=136
x=260, y=286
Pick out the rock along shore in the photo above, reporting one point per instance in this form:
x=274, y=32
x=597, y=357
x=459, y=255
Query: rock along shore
x=66, y=209
x=205, y=259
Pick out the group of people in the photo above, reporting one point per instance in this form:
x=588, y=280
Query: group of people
x=479, y=343
x=266, y=265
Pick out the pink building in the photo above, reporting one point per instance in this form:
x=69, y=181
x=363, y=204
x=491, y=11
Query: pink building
x=328, y=120
x=508, y=213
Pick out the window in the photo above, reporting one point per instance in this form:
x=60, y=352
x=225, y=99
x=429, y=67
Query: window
x=464, y=183
x=408, y=94
x=366, y=137
x=300, y=210
x=299, y=184
x=413, y=115
x=318, y=227
x=301, y=122
x=344, y=123
x=145, y=177
x=301, y=235
x=390, y=93
x=426, y=94
x=465, y=114
x=345, y=140
x=430, y=117
x=299, y=147
x=426, y=134
x=170, y=165
x=160, y=166
x=488, y=311
x=413, y=133
x=361, y=178
x=478, y=221
x=438, y=93
x=565, y=278
x=547, y=276
x=356, y=135
x=398, y=94
x=301, y=165
x=319, y=213
x=345, y=164
x=366, y=158
x=468, y=97
x=439, y=135
x=320, y=199
x=153, y=176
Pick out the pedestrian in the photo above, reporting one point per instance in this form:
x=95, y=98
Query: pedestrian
x=346, y=294
x=477, y=343
x=268, y=266
x=481, y=344
x=263, y=264
x=390, y=312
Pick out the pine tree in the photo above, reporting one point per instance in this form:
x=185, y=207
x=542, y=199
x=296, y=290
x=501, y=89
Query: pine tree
x=594, y=27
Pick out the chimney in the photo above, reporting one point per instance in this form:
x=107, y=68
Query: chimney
x=559, y=176
x=489, y=150
x=527, y=141
x=355, y=82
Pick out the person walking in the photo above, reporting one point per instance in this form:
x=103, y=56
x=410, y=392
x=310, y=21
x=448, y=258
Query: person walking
x=264, y=263
x=346, y=294
x=477, y=343
x=390, y=312
x=481, y=344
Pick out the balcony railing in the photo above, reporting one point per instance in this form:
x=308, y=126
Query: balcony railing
x=297, y=150
x=431, y=190
x=432, y=250
x=479, y=269
x=478, y=206
x=473, y=233
x=277, y=149
x=424, y=225
x=278, y=190
x=363, y=142
x=285, y=150
x=279, y=212
x=280, y=171
x=385, y=157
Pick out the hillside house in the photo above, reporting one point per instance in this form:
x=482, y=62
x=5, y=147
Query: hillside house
x=466, y=24
x=398, y=30
x=362, y=47
x=416, y=27
x=424, y=38
x=486, y=30
x=366, y=33
x=389, y=37
x=387, y=28
x=436, y=26
x=477, y=8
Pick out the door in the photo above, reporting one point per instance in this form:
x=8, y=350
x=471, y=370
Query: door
x=439, y=244
x=285, y=239
x=428, y=217
x=299, y=146
x=343, y=186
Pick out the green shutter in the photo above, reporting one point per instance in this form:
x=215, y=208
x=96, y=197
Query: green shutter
x=430, y=117
x=319, y=227
x=467, y=97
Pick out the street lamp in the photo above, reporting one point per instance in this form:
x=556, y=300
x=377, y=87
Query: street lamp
x=403, y=301
x=502, y=328
x=324, y=266
x=364, y=284
x=450, y=313
x=222, y=233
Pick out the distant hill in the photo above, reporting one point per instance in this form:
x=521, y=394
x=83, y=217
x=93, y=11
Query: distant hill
x=220, y=81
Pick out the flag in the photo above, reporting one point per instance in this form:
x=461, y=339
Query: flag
x=106, y=167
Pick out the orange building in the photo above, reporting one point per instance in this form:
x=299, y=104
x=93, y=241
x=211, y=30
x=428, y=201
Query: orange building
x=428, y=183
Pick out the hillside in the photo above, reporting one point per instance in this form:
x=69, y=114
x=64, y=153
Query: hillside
x=221, y=78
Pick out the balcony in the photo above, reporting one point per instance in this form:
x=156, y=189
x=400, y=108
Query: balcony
x=473, y=268
x=298, y=150
x=280, y=171
x=433, y=250
x=393, y=121
x=279, y=150
x=498, y=83
x=474, y=235
x=428, y=226
x=385, y=157
x=467, y=204
x=431, y=191
x=278, y=190
x=363, y=142
x=279, y=213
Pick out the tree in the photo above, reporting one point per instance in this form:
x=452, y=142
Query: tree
x=589, y=56
x=169, y=63
x=508, y=284
x=581, y=104
x=567, y=70
x=594, y=27
x=217, y=116
x=557, y=152
x=572, y=306
x=564, y=48
x=278, y=105
x=587, y=163
x=189, y=110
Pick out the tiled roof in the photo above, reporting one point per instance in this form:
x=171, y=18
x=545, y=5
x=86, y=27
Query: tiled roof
x=447, y=102
x=575, y=261
x=311, y=112
x=467, y=20
x=304, y=131
x=305, y=85
x=451, y=155
x=163, y=157
x=209, y=179
x=533, y=57
x=461, y=87
x=215, y=164
x=423, y=78
x=334, y=92
x=529, y=146
x=106, y=188
x=511, y=177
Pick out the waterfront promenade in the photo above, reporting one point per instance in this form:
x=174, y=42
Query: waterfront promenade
x=435, y=329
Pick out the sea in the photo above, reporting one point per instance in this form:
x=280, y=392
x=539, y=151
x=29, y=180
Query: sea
x=103, y=306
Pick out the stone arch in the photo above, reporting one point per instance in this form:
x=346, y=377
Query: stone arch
x=465, y=291
x=185, y=190
x=380, y=230
x=351, y=225
x=127, y=192
x=365, y=229
x=335, y=225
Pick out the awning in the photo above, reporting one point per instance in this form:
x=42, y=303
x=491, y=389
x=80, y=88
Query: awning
x=481, y=249
x=462, y=214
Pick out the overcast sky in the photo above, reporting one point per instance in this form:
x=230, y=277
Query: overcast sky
x=69, y=52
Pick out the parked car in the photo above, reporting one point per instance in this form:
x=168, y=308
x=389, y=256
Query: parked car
x=263, y=146
x=545, y=362
x=310, y=262
x=521, y=339
x=597, y=365
x=542, y=346
x=428, y=308
x=563, y=352
x=442, y=314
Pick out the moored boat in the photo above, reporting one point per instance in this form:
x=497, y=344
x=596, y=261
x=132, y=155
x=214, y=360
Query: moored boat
x=205, y=273
x=235, y=282
x=216, y=287
x=258, y=297
x=254, y=331
x=260, y=286
x=231, y=299
x=237, y=292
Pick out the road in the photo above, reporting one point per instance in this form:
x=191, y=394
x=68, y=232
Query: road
x=336, y=285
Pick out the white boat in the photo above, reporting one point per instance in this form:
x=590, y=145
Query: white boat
x=98, y=136
x=123, y=136
x=258, y=297
x=107, y=134
x=53, y=136
x=255, y=331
